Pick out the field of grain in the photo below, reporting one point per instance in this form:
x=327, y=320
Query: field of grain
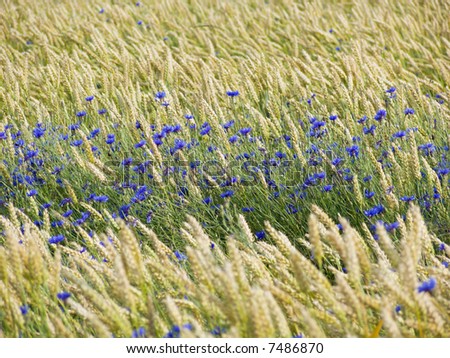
x=240, y=168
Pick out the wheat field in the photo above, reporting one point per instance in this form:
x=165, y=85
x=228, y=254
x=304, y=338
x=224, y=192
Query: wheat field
x=207, y=168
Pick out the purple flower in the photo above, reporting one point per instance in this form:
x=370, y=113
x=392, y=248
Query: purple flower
x=89, y=98
x=378, y=209
x=333, y=117
x=76, y=143
x=409, y=111
x=327, y=188
x=391, y=90
x=233, y=139
x=160, y=95
x=110, y=139
x=101, y=111
x=56, y=239
x=101, y=198
x=81, y=114
x=245, y=131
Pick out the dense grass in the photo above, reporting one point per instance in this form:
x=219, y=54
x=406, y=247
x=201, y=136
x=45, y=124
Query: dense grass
x=187, y=151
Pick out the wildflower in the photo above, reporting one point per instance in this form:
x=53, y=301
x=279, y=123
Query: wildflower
x=101, y=198
x=94, y=133
x=63, y=295
x=127, y=161
x=38, y=132
x=227, y=194
x=233, y=139
x=260, y=234
x=391, y=227
x=409, y=111
x=101, y=111
x=32, y=192
x=399, y=134
x=67, y=213
x=110, y=139
x=139, y=22
x=207, y=200
x=408, y=198
x=378, y=209
x=391, y=90
x=74, y=127
x=245, y=131
x=89, y=98
x=140, y=144
x=160, y=95
x=367, y=178
x=362, y=120
x=333, y=117
x=81, y=114
x=353, y=151
x=337, y=161
x=138, y=333
x=180, y=256
x=205, y=130
x=2, y=135
x=24, y=309
x=248, y=210
x=427, y=148
x=102, y=10
x=228, y=124
x=76, y=143
x=380, y=115
x=327, y=188
x=56, y=239
x=233, y=93
x=370, y=130
x=368, y=194
x=427, y=286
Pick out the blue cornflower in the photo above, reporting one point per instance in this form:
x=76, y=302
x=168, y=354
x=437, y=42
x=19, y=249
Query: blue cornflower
x=110, y=139
x=89, y=98
x=441, y=246
x=38, y=132
x=370, y=130
x=74, y=127
x=178, y=144
x=327, y=188
x=180, y=256
x=408, y=198
x=248, y=209
x=140, y=144
x=378, y=209
x=368, y=194
x=427, y=286
x=160, y=95
x=56, y=239
x=228, y=124
x=77, y=142
x=139, y=22
x=227, y=194
x=337, y=161
x=392, y=227
x=67, y=213
x=127, y=161
x=427, y=148
x=260, y=234
x=380, y=115
x=409, y=111
x=233, y=139
x=399, y=134
x=2, y=135
x=362, y=120
x=101, y=111
x=391, y=90
x=333, y=117
x=233, y=93
x=32, y=192
x=81, y=114
x=245, y=131
x=205, y=130
x=367, y=178
x=207, y=200
x=353, y=151
x=101, y=198
x=138, y=333
x=63, y=295
x=24, y=309
x=94, y=133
